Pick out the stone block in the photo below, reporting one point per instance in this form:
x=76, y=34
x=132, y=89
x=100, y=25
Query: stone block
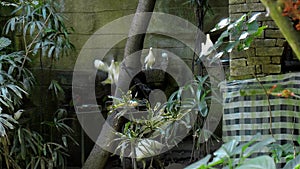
x=271, y=69
x=258, y=60
x=242, y=71
x=271, y=51
x=238, y=62
x=264, y=42
x=273, y=34
x=240, y=77
x=242, y=54
x=83, y=23
x=93, y=6
x=258, y=69
x=160, y=41
x=244, y=8
x=263, y=17
x=270, y=24
x=236, y=16
x=280, y=42
x=252, y=1
x=276, y=60
x=237, y=1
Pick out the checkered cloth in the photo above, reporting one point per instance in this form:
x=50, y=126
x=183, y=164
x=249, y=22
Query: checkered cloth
x=246, y=109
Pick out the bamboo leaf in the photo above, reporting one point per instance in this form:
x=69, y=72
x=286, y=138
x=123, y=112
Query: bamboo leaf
x=4, y=42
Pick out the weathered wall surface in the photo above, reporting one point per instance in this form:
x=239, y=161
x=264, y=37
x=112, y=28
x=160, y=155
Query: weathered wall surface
x=87, y=16
x=264, y=56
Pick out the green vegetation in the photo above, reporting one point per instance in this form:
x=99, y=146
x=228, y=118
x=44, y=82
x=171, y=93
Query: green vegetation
x=24, y=142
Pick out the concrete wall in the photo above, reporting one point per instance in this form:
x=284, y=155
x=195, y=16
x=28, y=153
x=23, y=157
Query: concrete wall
x=88, y=16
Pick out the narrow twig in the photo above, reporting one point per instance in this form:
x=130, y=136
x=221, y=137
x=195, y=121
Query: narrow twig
x=27, y=48
x=269, y=103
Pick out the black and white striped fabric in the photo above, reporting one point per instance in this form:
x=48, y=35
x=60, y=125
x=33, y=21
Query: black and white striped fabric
x=246, y=109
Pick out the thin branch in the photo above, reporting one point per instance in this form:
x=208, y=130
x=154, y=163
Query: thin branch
x=269, y=103
x=27, y=48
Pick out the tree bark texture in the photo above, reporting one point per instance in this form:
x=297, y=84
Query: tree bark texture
x=98, y=156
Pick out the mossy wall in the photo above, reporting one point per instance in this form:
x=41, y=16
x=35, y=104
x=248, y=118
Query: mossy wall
x=88, y=16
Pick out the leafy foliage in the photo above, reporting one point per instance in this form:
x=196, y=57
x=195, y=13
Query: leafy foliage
x=163, y=121
x=42, y=21
x=44, y=33
x=241, y=33
x=13, y=79
x=288, y=151
x=226, y=156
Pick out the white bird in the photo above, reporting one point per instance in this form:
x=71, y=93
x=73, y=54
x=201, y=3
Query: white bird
x=149, y=60
x=113, y=70
x=164, y=62
x=99, y=64
x=206, y=48
x=18, y=114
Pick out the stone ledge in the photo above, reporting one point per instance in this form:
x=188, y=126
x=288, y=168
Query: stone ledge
x=264, y=42
x=271, y=69
x=263, y=17
x=244, y=8
x=238, y=62
x=271, y=51
x=242, y=71
x=259, y=60
x=242, y=54
x=236, y=1
x=251, y=1
x=276, y=60
x=273, y=34
x=280, y=42
x=270, y=24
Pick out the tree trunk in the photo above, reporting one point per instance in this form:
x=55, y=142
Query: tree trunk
x=98, y=156
x=284, y=24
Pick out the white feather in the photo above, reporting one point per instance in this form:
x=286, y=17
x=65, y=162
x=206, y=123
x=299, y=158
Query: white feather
x=113, y=70
x=206, y=48
x=165, y=61
x=18, y=114
x=99, y=64
x=149, y=60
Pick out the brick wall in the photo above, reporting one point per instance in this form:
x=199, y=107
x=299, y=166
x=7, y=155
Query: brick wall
x=264, y=56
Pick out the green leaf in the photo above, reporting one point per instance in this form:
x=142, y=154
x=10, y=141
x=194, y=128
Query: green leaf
x=259, y=146
x=200, y=163
x=220, y=39
x=227, y=149
x=260, y=31
x=223, y=23
x=231, y=45
x=4, y=42
x=254, y=17
x=243, y=35
x=32, y=28
x=261, y=162
x=293, y=163
x=253, y=27
x=2, y=131
x=6, y=123
x=44, y=13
